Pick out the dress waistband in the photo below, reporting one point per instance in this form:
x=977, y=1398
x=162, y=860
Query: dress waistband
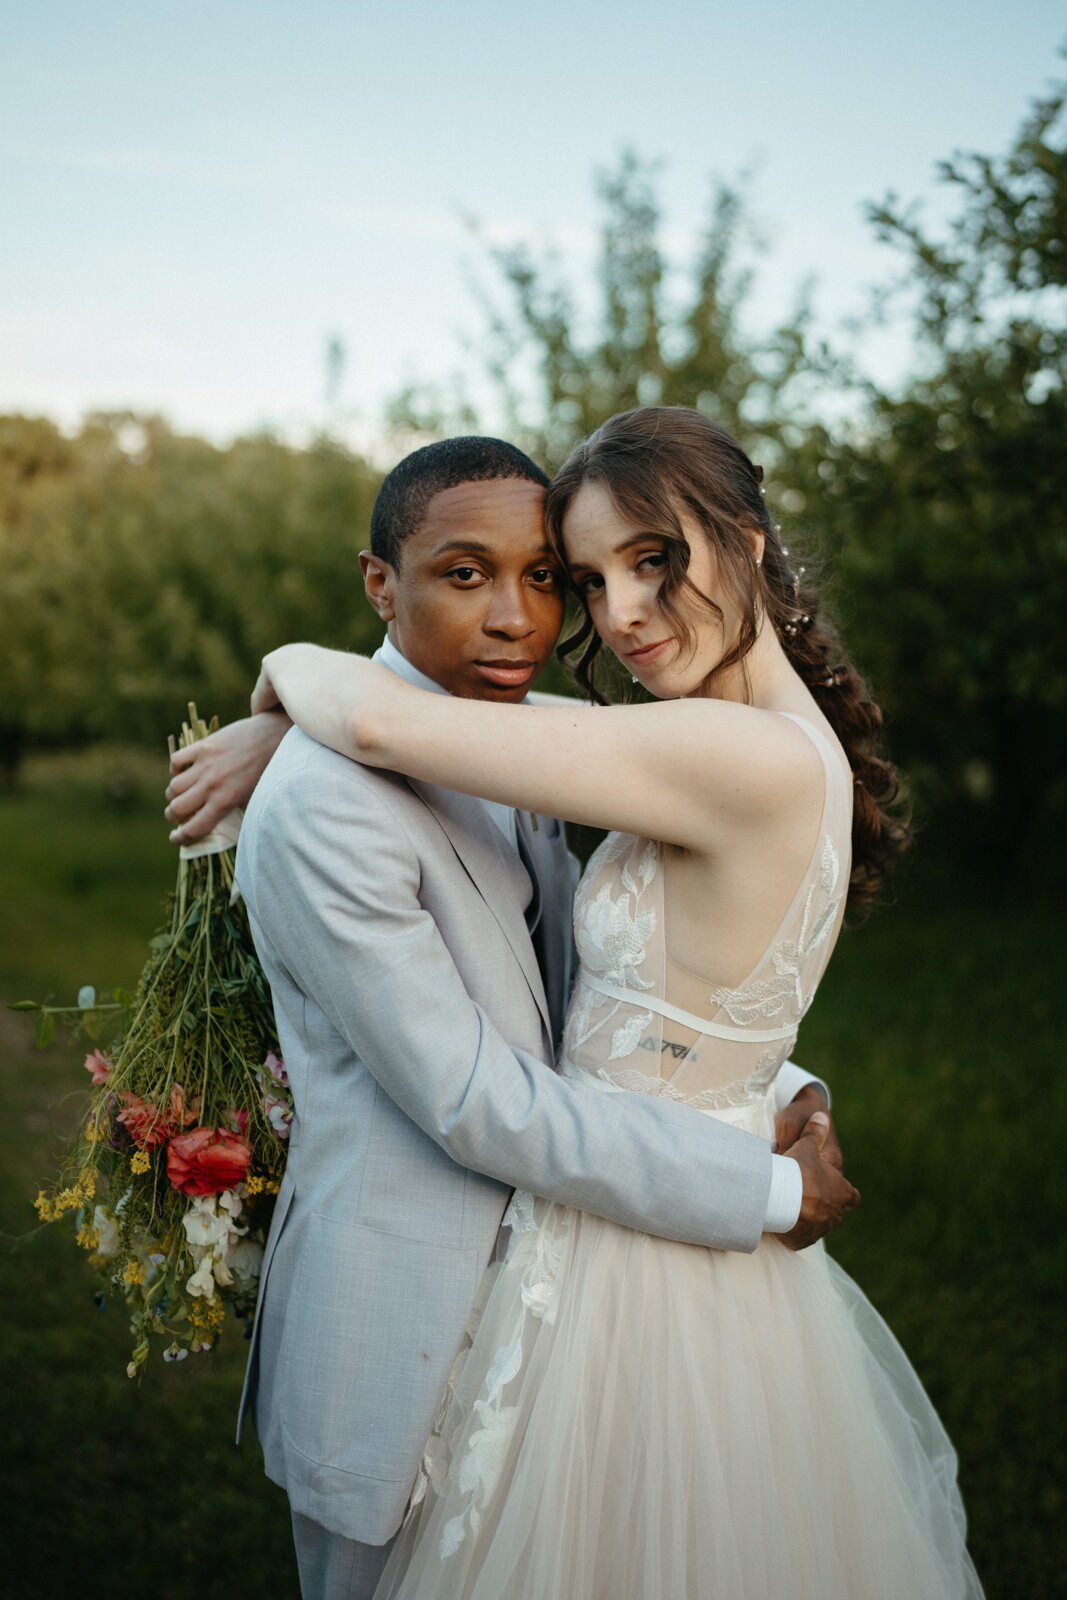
x=688, y=1019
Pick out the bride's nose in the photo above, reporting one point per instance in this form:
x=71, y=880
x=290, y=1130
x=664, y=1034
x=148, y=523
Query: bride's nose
x=626, y=604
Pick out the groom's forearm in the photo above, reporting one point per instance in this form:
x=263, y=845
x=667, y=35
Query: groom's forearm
x=376, y=964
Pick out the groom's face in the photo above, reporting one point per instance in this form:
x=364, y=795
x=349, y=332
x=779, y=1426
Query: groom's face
x=477, y=601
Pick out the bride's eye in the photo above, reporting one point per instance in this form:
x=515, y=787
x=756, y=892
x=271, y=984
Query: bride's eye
x=591, y=584
x=655, y=561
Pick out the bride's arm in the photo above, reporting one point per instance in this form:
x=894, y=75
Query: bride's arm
x=685, y=771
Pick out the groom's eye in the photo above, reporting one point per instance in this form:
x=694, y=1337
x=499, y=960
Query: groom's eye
x=464, y=574
x=547, y=577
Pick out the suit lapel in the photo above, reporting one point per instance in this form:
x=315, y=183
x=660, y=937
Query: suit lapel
x=496, y=872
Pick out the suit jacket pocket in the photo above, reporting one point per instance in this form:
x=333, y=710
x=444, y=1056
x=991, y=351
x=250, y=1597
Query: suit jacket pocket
x=370, y=1335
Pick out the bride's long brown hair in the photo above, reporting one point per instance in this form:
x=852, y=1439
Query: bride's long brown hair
x=663, y=462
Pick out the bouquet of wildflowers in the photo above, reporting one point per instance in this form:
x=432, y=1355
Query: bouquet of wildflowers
x=172, y=1177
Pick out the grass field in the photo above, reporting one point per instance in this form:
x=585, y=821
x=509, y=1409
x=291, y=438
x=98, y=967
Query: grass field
x=936, y=1027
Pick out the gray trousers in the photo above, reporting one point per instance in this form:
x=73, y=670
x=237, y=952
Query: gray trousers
x=335, y=1568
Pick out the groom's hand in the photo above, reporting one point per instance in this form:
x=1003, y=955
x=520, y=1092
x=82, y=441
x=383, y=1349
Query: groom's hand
x=791, y=1121
x=827, y=1192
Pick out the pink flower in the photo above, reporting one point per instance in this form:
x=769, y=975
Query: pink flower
x=279, y=1115
x=276, y=1067
x=98, y=1065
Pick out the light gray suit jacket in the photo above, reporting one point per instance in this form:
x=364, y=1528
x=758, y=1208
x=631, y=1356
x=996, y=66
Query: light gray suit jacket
x=415, y=1025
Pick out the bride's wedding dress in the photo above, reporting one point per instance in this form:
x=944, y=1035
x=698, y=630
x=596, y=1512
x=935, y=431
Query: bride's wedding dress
x=642, y=1420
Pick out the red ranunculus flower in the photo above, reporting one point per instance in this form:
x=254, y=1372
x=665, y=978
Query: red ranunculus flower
x=207, y=1160
x=147, y=1125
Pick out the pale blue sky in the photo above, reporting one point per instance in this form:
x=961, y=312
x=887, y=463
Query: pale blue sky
x=194, y=196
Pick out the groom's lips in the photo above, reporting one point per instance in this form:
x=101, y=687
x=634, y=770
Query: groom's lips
x=507, y=674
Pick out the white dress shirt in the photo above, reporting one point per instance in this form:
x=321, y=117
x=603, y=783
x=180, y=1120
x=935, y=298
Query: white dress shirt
x=787, y=1184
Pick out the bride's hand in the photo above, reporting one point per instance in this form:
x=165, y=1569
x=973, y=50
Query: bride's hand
x=211, y=776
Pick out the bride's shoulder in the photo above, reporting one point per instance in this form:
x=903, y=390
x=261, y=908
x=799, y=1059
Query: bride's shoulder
x=762, y=754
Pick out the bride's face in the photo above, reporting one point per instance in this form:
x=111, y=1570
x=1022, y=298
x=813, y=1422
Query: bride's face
x=620, y=569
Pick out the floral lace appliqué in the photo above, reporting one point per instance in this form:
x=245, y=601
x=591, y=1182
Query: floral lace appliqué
x=613, y=929
x=742, y=1093
x=770, y=998
x=535, y=1255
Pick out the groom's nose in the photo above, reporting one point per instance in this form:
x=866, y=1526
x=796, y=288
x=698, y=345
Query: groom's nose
x=509, y=611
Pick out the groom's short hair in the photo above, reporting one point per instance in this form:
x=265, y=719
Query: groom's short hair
x=406, y=492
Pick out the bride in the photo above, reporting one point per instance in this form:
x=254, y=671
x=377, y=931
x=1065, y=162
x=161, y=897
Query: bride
x=634, y=1417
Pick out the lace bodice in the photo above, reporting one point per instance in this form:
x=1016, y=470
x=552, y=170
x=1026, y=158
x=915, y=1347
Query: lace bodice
x=641, y=1017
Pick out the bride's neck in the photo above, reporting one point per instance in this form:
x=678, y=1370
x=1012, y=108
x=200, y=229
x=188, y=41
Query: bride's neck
x=765, y=678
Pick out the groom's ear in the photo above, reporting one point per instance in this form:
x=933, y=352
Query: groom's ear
x=378, y=582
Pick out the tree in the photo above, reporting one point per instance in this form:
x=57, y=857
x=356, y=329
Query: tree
x=142, y=569
x=937, y=507
x=557, y=374
x=944, y=504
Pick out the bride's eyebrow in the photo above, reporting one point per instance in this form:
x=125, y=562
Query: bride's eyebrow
x=616, y=550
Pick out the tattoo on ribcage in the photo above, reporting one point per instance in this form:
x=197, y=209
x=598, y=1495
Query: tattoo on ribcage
x=680, y=1052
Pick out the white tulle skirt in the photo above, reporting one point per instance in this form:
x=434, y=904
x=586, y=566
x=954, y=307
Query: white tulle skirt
x=642, y=1420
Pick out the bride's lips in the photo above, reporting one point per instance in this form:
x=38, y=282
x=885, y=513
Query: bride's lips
x=507, y=674
x=648, y=653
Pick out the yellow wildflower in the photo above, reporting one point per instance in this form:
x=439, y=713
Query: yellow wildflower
x=87, y=1237
x=133, y=1272
x=141, y=1161
x=259, y=1185
x=43, y=1207
x=207, y=1314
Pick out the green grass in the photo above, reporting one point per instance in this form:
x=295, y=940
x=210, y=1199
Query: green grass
x=111, y=1489
x=936, y=1027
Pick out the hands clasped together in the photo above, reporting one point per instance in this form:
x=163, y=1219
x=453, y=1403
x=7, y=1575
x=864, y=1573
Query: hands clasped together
x=804, y=1130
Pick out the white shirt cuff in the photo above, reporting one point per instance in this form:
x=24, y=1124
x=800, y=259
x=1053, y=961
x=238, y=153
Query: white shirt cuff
x=787, y=1193
x=789, y=1082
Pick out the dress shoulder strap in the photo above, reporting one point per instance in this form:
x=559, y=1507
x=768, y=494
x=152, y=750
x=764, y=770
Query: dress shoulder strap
x=817, y=737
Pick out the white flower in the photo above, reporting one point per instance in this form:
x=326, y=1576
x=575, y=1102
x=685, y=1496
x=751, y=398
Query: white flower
x=107, y=1232
x=230, y=1202
x=278, y=1115
x=203, y=1226
x=245, y=1258
x=218, y=1245
x=202, y=1280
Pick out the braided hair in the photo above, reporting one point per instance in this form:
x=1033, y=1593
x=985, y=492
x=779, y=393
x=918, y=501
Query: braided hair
x=661, y=463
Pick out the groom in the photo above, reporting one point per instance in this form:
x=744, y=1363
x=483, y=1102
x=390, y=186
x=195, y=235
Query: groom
x=418, y=948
